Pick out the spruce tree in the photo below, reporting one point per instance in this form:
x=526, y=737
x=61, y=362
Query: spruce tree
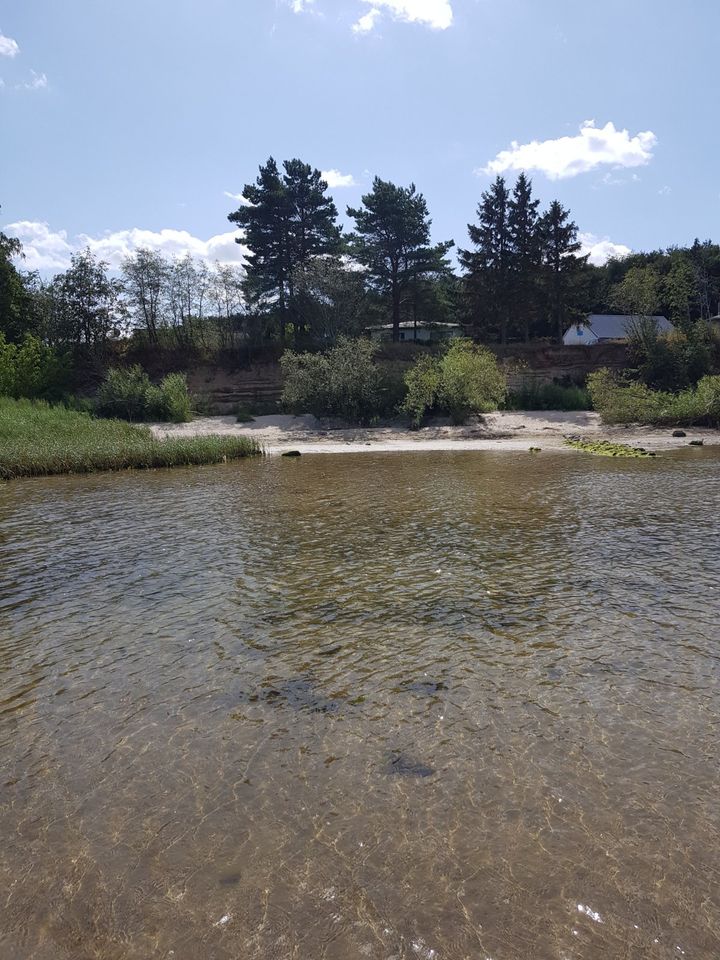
x=487, y=267
x=561, y=265
x=392, y=240
x=525, y=255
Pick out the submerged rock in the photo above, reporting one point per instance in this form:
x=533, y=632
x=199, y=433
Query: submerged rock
x=679, y=433
x=403, y=766
x=423, y=686
x=697, y=443
x=291, y=453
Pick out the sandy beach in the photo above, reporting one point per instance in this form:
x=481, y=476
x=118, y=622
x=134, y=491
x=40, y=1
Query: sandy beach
x=497, y=431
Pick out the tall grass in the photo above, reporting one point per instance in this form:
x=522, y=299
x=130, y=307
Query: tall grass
x=548, y=396
x=37, y=439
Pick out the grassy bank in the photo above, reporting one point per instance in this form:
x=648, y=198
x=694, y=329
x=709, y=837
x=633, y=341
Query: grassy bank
x=37, y=439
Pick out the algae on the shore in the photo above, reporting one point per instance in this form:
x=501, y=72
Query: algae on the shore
x=606, y=448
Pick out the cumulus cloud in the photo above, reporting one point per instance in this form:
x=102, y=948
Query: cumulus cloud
x=8, y=46
x=37, y=81
x=564, y=157
x=335, y=179
x=600, y=250
x=49, y=251
x=45, y=249
x=367, y=22
x=301, y=6
x=238, y=197
x=437, y=14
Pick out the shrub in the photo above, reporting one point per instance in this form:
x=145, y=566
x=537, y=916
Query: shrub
x=344, y=382
x=423, y=382
x=124, y=393
x=464, y=380
x=175, y=401
x=621, y=402
x=244, y=414
x=128, y=393
x=31, y=369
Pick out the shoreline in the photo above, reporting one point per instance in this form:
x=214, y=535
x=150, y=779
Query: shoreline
x=511, y=431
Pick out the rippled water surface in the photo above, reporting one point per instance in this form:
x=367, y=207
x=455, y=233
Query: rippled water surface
x=435, y=706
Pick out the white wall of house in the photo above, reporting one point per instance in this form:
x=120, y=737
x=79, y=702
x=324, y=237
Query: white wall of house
x=579, y=334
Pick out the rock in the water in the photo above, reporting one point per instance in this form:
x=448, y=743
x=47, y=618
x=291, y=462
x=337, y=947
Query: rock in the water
x=291, y=453
x=697, y=443
x=679, y=433
x=403, y=766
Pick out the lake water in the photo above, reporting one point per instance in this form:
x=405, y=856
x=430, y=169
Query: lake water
x=435, y=706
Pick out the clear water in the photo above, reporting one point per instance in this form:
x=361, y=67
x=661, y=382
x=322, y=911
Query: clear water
x=436, y=706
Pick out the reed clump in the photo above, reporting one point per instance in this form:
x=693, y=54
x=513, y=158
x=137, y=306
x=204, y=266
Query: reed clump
x=38, y=439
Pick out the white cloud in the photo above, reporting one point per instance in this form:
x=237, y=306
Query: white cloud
x=335, y=179
x=601, y=250
x=8, y=46
x=238, y=197
x=437, y=14
x=44, y=249
x=37, y=81
x=301, y=6
x=367, y=22
x=49, y=251
x=568, y=156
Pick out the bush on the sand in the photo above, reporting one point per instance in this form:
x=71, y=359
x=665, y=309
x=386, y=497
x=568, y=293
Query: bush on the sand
x=343, y=382
x=464, y=380
x=618, y=401
x=39, y=439
x=128, y=393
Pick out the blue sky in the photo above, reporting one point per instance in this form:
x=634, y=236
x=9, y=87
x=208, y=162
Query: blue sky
x=129, y=122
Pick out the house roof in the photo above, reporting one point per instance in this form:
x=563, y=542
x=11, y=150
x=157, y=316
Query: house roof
x=609, y=326
x=421, y=325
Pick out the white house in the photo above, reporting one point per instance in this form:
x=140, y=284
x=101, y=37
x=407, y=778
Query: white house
x=602, y=327
x=418, y=332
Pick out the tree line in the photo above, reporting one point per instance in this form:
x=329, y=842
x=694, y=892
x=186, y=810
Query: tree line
x=306, y=281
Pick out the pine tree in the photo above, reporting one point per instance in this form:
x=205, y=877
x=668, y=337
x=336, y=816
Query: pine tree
x=561, y=265
x=392, y=240
x=525, y=255
x=287, y=220
x=487, y=267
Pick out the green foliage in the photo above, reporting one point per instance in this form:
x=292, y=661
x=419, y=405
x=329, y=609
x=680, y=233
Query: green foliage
x=175, y=402
x=287, y=220
x=392, y=241
x=463, y=381
x=670, y=361
x=523, y=275
x=128, y=393
x=344, y=382
x=548, y=396
x=619, y=402
x=39, y=439
x=423, y=382
x=31, y=369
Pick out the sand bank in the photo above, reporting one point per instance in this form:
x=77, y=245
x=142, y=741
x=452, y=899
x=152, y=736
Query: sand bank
x=497, y=431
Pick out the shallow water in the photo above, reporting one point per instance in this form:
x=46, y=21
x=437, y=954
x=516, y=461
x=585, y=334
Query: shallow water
x=435, y=706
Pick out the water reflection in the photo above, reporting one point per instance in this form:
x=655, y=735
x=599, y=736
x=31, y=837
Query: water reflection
x=397, y=706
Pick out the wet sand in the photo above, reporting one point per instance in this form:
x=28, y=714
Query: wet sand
x=497, y=431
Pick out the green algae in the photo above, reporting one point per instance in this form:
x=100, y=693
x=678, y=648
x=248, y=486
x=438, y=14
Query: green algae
x=606, y=448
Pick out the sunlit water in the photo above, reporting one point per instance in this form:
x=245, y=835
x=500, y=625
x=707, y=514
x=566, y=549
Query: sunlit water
x=435, y=706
